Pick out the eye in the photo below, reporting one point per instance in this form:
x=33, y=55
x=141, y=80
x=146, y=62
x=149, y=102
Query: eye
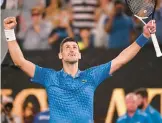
x=67, y=47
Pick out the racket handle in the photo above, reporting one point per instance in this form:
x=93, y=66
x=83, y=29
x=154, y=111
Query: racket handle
x=156, y=45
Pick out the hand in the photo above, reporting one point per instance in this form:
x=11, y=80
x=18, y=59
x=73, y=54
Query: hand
x=111, y=13
x=9, y=23
x=53, y=38
x=149, y=28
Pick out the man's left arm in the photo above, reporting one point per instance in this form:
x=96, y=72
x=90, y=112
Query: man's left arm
x=130, y=52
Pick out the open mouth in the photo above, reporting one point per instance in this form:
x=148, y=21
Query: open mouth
x=71, y=55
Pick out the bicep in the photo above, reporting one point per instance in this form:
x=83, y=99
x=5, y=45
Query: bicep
x=28, y=67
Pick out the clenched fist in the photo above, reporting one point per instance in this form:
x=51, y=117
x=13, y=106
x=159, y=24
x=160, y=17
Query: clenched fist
x=9, y=23
x=149, y=28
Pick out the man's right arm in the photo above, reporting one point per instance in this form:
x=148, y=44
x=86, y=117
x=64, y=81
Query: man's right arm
x=109, y=23
x=19, y=60
x=15, y=51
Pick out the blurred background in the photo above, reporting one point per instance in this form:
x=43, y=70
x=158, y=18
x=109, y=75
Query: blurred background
x=103, y=28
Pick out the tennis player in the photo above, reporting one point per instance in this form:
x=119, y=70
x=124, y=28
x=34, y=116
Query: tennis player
x=71, y=91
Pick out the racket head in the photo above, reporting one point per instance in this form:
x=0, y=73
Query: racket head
x=142, y=8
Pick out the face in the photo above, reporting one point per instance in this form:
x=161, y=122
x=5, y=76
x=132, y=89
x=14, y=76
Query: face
x=36, y=17
x=70, y=52
x=54, y=2
x=140, y=101
x=119, y=9
x=84, y=33
x=131, y=103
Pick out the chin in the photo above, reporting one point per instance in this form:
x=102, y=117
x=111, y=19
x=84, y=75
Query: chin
x=72, y=61
x=132, y=110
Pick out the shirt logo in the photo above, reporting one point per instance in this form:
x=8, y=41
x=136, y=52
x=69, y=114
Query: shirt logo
x=84, y=81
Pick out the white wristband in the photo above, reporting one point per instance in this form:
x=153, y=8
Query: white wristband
x=10, y=35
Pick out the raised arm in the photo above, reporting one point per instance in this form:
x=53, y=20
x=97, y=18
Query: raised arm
x=109, y=23
x=130, y=52
x=14, y=49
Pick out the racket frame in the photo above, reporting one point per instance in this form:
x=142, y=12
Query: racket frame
x=153, y=36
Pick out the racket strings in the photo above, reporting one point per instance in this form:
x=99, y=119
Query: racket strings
x=141, y=8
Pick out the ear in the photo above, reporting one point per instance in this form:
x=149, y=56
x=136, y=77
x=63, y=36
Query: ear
x=60, y=55
x=80, y=56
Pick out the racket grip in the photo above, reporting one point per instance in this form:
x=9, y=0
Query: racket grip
x=156, y=45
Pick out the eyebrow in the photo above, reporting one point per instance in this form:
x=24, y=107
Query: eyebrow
x=75, y=45
x=70, y=45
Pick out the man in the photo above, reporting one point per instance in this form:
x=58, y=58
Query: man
x=145, y=107
x=83, y=14
x=133, y=115
x=119, y=26
x=39, y=30
x=60, y=32
x=70, y=91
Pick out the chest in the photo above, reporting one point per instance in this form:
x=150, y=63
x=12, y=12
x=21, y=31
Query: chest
x=70, y=86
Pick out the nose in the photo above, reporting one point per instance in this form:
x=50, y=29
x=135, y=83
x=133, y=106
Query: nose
x=71, y=49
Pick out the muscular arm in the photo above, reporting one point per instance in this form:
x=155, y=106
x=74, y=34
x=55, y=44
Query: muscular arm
x=130, y=52
x=14, y=49
x=19, y=60
x=124, y=57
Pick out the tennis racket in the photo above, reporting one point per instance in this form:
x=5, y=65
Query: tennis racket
x=144, y=9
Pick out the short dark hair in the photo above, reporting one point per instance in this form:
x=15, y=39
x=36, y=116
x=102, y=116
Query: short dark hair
x=118, y=2
x=142, y=91
x=68, y=39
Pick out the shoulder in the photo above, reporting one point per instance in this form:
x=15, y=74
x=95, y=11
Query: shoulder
x=44, y=114
x=141, y=113
x=44, y=68
x=152, y=110
x=100, y=68
x=44, y=71
x=144, y=116
x=122, y=118
x=128, y=18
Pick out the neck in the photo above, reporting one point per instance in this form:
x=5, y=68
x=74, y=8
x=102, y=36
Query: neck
x=70, y=69
x=86, y=41
x=145, y=106
x=130, y=113
x=36, y=22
